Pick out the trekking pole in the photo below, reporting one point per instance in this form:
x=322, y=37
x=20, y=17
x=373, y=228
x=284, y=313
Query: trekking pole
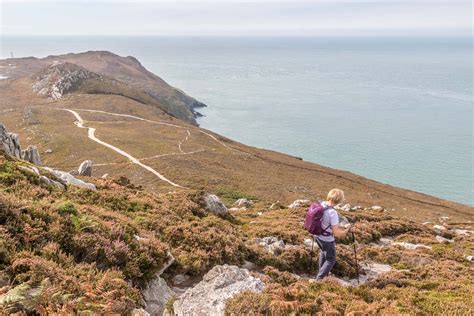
x=355, y=255
x=311, y=256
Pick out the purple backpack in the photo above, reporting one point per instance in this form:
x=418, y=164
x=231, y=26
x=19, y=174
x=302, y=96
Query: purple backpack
x=313, y=221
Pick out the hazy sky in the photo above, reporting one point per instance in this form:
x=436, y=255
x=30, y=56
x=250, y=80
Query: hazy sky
x=233, y=17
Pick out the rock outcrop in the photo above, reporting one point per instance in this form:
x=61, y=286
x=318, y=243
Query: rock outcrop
x=221, y=283
x=214, y=205
x=85, y=169
x=60, y=78
x=156, y=295
x=11, y=145
x=70, y=179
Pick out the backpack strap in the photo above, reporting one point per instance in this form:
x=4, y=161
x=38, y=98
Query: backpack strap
x=325, y=232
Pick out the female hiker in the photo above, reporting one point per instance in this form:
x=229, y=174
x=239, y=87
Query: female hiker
x=330, y=228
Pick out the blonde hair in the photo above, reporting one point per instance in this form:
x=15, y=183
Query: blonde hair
x=336, y=196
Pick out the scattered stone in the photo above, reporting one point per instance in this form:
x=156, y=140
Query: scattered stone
x=439, y=229
x=139, y=312
x=243, y=202
x=308, y=242
x=221, y=283
x=180, y=279
x=272, y=244
x=276, y=206
x=372, y=270
x=356, y=208
x=377, y=208
x=237, y=209
x=345, y=208
x=385, y=241
x=444, y=218
x=444, y=240
x=470, y=258
x=85, y=169
x=461, y=232
x=48, y=151
x=410, y=246
x=299, y=203
x=259, y=213
x=425, y=223
x=105, y=175
x=214, y=205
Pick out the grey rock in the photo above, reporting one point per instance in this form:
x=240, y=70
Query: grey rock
x=214, y=205
x=243, y=202
x=470, y=258
x=209, y=296
x=70, y=179
x=377, y=208
x=180, y=279
x=299, y=203
x=411, y=246
x=29, y=170
x=32, y=155
x=441, y=239
x=10, y=143
x=272, y=244
x=48, y=151
x=85, y=169
x=139, y=312
x=156, y=295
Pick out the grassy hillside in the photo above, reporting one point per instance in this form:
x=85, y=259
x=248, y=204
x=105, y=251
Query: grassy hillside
x=80, y=250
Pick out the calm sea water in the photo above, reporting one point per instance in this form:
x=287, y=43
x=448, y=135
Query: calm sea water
x=396, y=110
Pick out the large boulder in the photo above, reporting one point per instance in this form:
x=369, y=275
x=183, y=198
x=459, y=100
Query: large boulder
x=85, y=169
x=214, y=205
x=209, y=296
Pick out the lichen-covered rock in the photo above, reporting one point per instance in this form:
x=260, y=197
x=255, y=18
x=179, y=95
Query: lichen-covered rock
x=214, y=205
x=85, y=169
x=209, y=296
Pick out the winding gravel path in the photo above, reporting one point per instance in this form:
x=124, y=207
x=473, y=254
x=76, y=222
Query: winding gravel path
x=157, y=122
x=91, y=134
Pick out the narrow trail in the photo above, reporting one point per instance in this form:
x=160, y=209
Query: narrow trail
x=91, y=134
x=159, y=123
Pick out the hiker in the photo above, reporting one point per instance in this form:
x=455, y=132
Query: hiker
x=322, y=221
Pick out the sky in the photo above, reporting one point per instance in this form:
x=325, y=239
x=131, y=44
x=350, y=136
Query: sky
x=237, y=17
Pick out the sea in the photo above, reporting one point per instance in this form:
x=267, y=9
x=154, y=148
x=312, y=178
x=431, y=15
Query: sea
x=396, y=110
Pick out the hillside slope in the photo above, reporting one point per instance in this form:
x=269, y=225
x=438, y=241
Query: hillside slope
x=136, y=138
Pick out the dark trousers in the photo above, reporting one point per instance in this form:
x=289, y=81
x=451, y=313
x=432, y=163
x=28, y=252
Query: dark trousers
x=327, y=257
